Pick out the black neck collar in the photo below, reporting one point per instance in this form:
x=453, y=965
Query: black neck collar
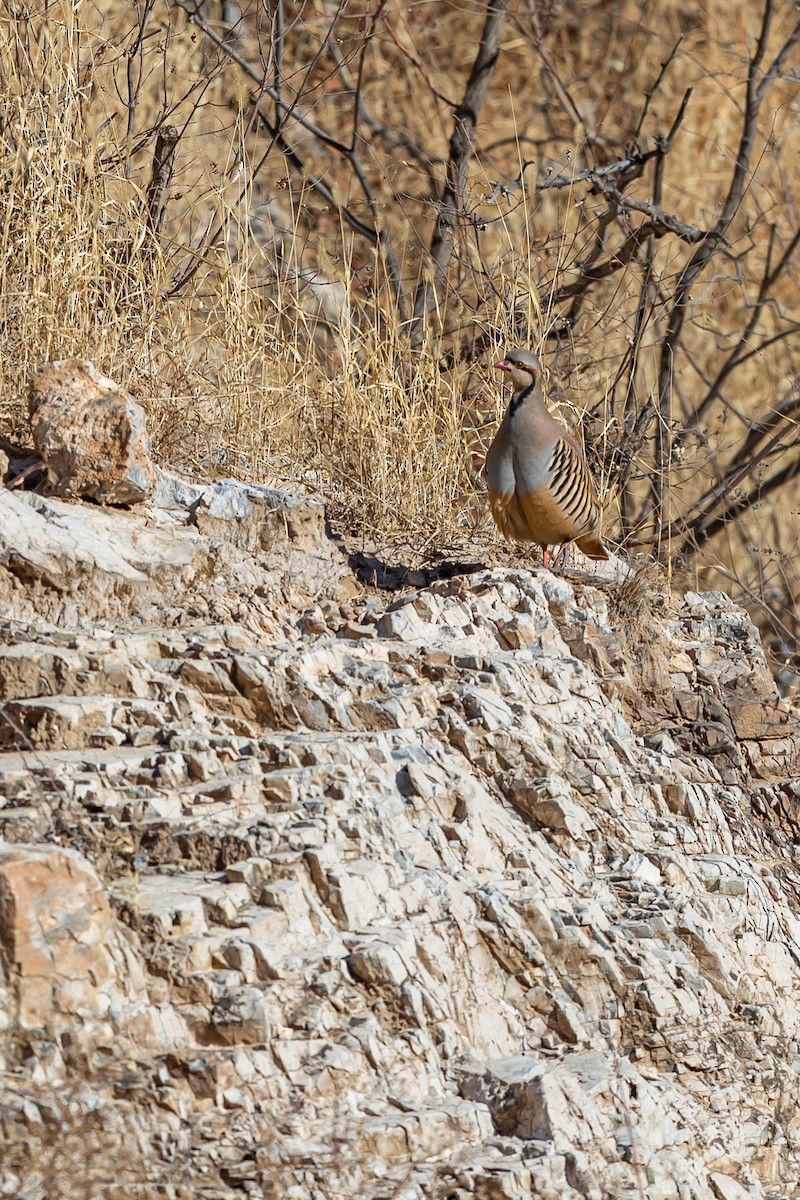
x=520, y=397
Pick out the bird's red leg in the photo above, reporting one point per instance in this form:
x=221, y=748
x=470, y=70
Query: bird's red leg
x=545, y=558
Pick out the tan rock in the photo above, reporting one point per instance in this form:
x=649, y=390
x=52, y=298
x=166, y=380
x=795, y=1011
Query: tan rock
x=60, y=945
x=60, y=722
x=90, y=434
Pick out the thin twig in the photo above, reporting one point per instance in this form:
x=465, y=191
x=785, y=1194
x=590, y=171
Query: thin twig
x=417, y=62
x=736, y=357
x=593, y=138
x=709, y=502
x=134, y=80
x=619, y=259
x=648, y=96
x=788, y=410
x=627, y=169
x=702, y=531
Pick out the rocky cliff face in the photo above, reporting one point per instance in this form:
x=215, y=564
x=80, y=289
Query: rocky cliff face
x=486, y=887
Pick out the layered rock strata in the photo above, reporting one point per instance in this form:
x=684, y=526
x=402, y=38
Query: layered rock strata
x=487, y=888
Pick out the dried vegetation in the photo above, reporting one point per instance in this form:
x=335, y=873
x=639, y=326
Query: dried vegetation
x=299, y=233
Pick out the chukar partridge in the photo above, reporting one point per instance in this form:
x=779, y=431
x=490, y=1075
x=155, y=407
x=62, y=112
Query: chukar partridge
x=540, y=488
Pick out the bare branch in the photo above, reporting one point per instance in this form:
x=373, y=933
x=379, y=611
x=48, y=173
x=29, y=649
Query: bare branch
x=289, y=107
x=635, y=425
x=277, y=48
x=461, y=145
x=788, y=410
x=593, y=138
x=376, y=235
x=664, y=221
x=736, y=356
x=702, y=531
x=135, y=77
x=392, y=136
x=631, y=166
x=648, y=96
x=753, y=99
x=628, y=169
x=706, y=506
x=417, y=62
x=619, y=259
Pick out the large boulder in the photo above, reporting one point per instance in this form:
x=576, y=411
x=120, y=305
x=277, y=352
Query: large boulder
x=91, y=434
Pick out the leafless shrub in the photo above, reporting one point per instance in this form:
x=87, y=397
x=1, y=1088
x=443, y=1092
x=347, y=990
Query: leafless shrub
x=300, y=232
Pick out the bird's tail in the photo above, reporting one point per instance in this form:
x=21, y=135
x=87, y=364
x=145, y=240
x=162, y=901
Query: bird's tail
x=591, y=546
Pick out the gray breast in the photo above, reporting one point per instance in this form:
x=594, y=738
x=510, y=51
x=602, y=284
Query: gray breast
x=532, y=468
x=500, y=462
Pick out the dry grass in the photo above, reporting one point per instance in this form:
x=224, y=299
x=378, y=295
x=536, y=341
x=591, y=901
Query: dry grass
x=285, y=356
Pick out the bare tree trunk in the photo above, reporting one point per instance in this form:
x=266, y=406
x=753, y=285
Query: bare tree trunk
x=431, y=287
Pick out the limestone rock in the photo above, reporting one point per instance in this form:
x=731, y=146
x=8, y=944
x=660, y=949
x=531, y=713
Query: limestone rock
x=82, y=563
x=314, y=893
x=63, y=958
x=91, y=434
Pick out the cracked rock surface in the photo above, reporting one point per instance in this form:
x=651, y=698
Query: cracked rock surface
x=483, y=889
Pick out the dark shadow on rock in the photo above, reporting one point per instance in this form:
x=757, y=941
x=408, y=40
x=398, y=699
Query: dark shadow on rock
x=374, y=573
x=23, y=468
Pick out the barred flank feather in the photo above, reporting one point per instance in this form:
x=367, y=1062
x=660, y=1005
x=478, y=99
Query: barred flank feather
x=571, y=486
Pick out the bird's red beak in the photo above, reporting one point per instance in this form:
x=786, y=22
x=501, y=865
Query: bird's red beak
x=503, y=365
